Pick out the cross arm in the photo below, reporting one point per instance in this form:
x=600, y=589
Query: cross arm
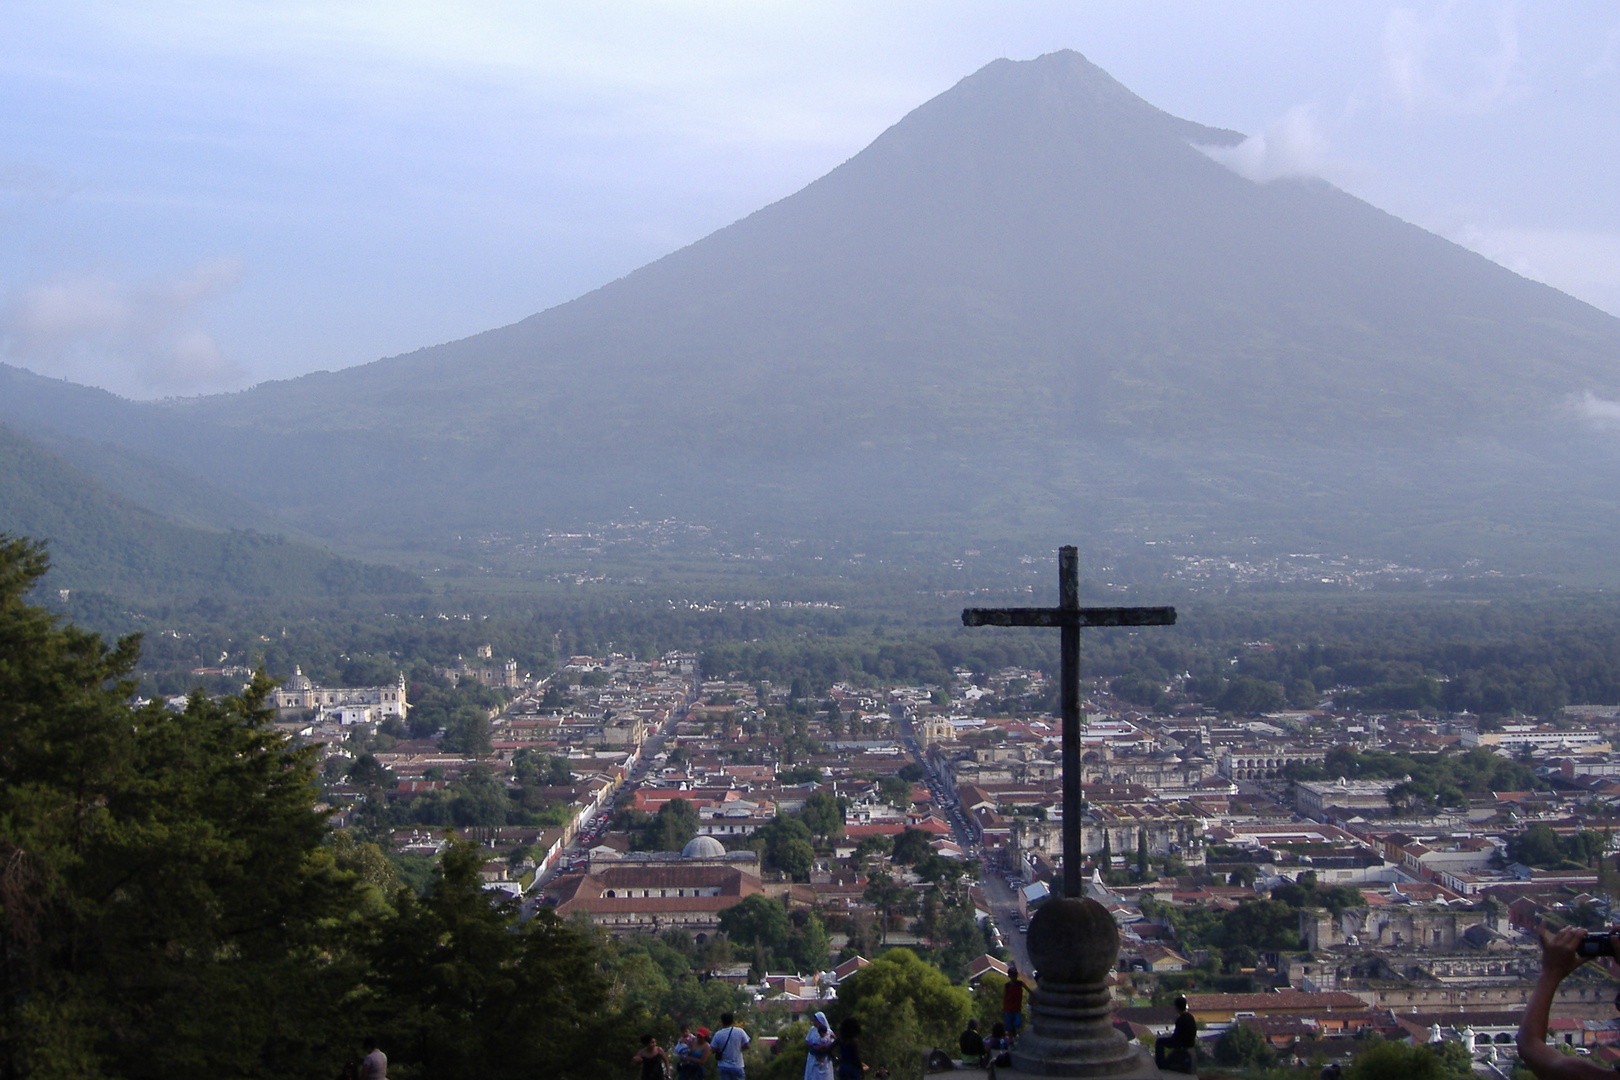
x=1098, y=616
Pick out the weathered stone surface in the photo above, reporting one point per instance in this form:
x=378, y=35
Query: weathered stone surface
x=1073, y=944
x=1073, y=941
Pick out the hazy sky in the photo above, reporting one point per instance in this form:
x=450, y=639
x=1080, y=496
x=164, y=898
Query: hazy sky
x=201, y=196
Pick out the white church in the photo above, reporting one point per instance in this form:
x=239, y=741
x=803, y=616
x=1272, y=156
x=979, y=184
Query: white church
x=347, y=705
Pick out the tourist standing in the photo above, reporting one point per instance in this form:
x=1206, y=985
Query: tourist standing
x=818, y=1063
x=652, y=1059
x=727, y=1047
x=374, y=1066
x=1012, y=1003
x=684, y=1051
x=850, y=1065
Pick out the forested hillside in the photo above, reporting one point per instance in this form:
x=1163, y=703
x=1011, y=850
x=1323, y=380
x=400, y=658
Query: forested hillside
x=102, y=541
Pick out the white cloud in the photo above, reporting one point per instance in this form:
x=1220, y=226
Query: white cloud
x=1293, y=146
x=1599, y=411
x=1455, y=59
x=142, y=338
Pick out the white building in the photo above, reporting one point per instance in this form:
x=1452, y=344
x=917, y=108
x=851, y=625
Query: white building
x=348, y=705
x=1515, y=737
x=1314, y=797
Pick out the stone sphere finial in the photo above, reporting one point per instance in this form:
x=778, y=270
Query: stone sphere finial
x=1073, y=941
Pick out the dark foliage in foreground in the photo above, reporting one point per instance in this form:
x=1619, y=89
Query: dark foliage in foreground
x=170, y=905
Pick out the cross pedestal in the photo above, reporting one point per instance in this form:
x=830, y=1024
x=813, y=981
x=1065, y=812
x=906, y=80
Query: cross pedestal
x=1073, y=942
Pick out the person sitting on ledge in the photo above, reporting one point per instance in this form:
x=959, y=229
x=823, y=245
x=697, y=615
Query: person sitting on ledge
x=1175, y=1051
x=972, y=1044
x=998, y=1046
x=1559, y=957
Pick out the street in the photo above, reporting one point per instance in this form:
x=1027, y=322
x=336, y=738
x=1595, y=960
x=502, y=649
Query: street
x=1003, y=900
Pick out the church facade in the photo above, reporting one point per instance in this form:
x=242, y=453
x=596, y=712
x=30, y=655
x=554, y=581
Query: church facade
x=348, y=704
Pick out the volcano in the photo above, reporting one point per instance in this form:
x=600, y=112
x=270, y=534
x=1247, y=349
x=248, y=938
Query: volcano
x=1035, y=304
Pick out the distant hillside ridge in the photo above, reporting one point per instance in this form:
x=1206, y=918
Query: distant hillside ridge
x=103, y=542
x=1034, y=304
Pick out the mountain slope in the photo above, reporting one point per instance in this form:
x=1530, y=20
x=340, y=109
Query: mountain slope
x=102, y=541
x=1031, y=303
x=160, y=487
x=1036, y=244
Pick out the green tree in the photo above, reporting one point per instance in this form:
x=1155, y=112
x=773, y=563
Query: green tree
x=809, y=944
x=368, y=773
x=795, y=858
x=367, y=862
x=530, y=767
x=964, y=941
x=757, y=920
x=642, y=985
x=1141, y=855
x=1240, y=1045
x=940, y=870
x=477, y=799
x=785, y=844
x=672, y=828
x=895, y=791
x=823, y=814
x=1585, y=847
x=876, y=844
x=1456, y=1059
x=889, y=897
x=987, y=998
x=1138, y=690
x=904, y=1006
x=468, y=731
x=462, y=989
x=1248, y=695
x=1398, y=1061
x=169, y=908
x=1536, y=846
x=911, y=846
x=1261, y=924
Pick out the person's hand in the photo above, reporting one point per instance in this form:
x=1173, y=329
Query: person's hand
x=1558, y=951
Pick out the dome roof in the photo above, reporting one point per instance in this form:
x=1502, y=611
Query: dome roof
x=703, y=847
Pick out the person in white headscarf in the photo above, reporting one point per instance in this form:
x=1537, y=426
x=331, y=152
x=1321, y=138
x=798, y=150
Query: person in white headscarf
x=818, y=1063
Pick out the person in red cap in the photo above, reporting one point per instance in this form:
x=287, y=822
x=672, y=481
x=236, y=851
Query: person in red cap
x=692, y=1054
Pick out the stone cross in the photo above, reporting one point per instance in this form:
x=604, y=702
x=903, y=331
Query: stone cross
x=1069, y=616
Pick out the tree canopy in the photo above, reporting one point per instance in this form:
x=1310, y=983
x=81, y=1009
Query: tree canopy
x=904, y=1006
x=172, y=902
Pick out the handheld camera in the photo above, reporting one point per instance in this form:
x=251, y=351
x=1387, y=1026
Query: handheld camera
x=1595, y=945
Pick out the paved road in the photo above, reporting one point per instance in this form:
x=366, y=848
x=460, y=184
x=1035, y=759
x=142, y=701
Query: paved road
x=1003, y=900
x=1004, y=909
x=650, y=749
